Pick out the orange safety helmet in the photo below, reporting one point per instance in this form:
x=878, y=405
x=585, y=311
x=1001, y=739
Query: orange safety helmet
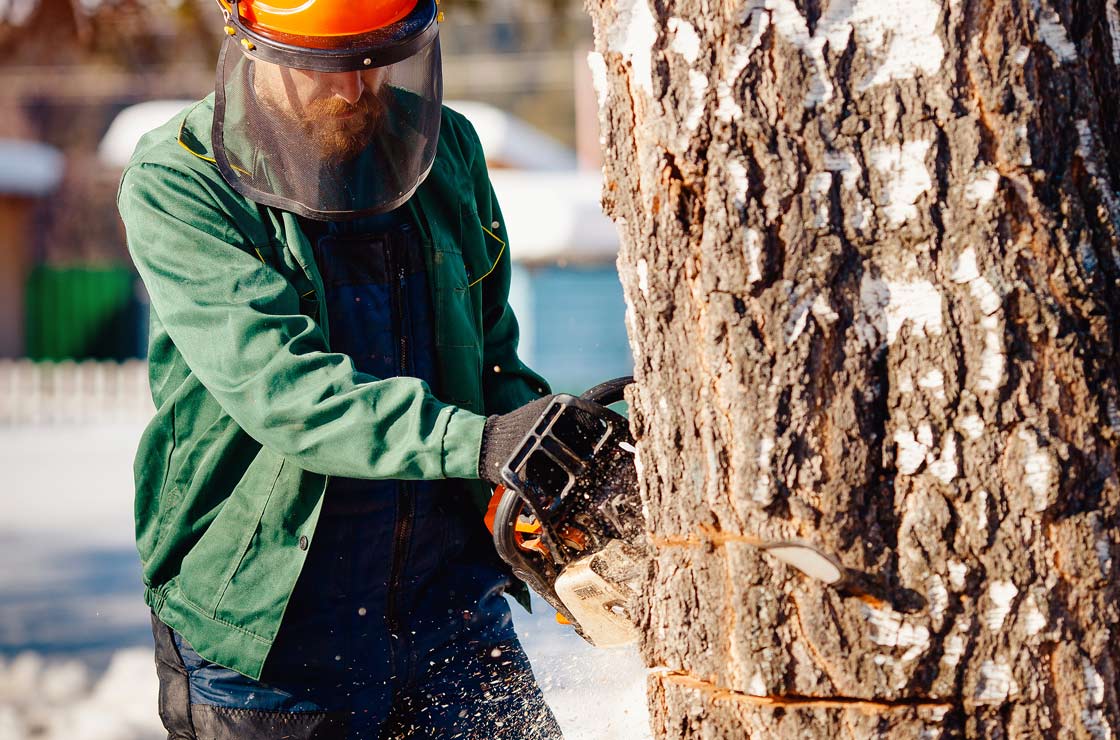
x=331, y=35
x=318, y=18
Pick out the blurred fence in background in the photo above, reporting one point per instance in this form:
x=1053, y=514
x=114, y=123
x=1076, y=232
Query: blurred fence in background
x=88, y=392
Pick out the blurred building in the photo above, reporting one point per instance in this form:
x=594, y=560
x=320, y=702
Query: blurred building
x=66, y=69
x=69, y=68
x=29, y=172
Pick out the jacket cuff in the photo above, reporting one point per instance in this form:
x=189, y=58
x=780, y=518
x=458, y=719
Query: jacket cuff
x=462, y=441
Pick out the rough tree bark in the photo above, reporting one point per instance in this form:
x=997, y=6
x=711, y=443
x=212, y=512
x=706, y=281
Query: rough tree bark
x=871, y=254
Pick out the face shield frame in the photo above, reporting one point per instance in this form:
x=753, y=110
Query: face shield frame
x=414, y=37
x=380, y=48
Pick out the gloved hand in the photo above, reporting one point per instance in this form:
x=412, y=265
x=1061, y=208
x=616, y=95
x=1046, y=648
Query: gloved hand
x=503, y=433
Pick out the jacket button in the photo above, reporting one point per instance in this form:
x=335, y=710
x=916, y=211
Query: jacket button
x=303, y=542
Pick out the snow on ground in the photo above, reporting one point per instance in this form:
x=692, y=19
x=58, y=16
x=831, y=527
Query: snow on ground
x=53, y=700
x=82, y=667
x=62, y=698
x=73, y=483
x=576, y=677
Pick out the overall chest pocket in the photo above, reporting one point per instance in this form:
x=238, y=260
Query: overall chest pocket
x=458, y=310
x=458, y=304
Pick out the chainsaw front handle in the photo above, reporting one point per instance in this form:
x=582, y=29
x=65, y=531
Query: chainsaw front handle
x=611, y=391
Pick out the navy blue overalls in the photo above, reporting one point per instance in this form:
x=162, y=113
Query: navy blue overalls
x=397, y=627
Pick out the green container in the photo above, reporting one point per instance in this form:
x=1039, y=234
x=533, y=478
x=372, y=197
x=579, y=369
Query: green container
x=78, y=313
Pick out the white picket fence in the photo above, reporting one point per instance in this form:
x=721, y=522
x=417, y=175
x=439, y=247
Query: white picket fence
x=87, y=392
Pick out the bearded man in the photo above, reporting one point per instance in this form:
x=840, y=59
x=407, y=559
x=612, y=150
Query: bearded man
x=334, y=366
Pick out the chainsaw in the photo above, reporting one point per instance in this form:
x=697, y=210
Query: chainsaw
x=569, y=518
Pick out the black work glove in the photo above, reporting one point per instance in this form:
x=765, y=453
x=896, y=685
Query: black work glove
x=502, y=434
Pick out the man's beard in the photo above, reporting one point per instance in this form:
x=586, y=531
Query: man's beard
x=336, y=130
x=340, y=139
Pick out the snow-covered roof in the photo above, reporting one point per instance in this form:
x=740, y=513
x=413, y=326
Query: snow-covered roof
x=29, y=168
x=513, y=143
x=124, y=132
x=551, y=208
x=555, y=216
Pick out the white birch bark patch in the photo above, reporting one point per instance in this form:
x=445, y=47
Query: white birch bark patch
x=888, y=305
x=1054, y=35
x=633, y=34
x=819, y=202
x=992, y=359
x=911, y=453
x=1112, y=12
x=917, y=302
x=761, y=493
x=686, y=41
x=934, y=382
x=900, y=38
x=889, y=629
x=1037, y=469
x=844, y=164
x=982, y=188
x=938, y=597
x=906, y=177
x=823, y=311
x=598, y=67
x=727, y=104
x=972, y=425
x=739, y=182
x=954, y=649
x=1091, y=715
x=752, y=250
x=698, y=89
x=1000, y=596
x=957, y=573
x=1033, y=620
x=944, y=468
x=981, y=511
x=1103, y=548
x=996, y=683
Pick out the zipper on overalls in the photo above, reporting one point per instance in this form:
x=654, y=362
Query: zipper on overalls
x=405, y=498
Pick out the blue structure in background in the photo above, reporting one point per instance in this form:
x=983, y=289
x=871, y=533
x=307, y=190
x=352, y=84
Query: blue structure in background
x=573, y=324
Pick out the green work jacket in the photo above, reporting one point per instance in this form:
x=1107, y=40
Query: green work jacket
x=254, y=412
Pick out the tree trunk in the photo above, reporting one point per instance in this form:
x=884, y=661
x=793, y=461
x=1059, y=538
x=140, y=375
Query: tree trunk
x=871, y=257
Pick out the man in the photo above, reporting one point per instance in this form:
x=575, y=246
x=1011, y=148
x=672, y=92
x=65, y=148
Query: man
x=328, y=277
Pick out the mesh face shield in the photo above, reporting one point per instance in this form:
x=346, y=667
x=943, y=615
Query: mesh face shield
x=330, y=134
